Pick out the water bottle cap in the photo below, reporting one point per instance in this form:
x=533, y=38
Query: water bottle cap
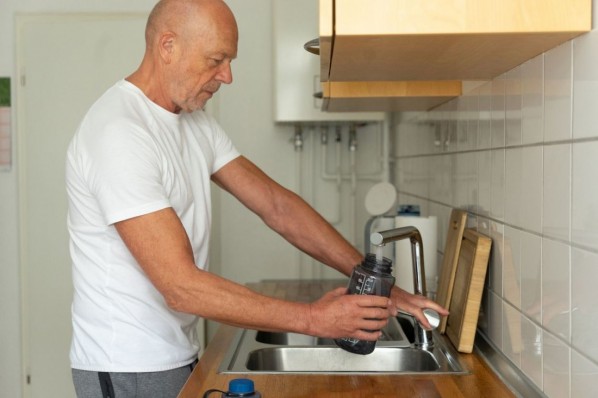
x=241, y=386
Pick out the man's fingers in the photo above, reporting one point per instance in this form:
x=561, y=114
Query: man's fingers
x=367, y=300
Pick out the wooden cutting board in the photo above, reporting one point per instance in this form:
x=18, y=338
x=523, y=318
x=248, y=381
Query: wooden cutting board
x=467, y=289
x=454, y=236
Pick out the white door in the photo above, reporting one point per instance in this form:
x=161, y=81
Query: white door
x=65, y=63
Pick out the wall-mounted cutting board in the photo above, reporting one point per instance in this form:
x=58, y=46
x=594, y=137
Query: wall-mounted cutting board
x=454, y=235
x=467, y=289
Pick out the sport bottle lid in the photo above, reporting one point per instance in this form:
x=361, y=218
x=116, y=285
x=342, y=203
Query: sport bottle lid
x=241, y=386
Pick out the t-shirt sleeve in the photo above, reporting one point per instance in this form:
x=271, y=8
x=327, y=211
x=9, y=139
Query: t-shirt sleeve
x=224, y=150
x=124, y=172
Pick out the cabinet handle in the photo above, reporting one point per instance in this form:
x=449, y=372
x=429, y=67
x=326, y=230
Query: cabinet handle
x=313, y=46
x=319, y=95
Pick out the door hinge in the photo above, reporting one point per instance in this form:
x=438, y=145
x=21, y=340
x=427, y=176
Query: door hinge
x=28, y=379
x=23, y=80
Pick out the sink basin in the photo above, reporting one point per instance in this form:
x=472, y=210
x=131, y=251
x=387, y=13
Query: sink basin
x=286, y=353
x=333, y=359
x=392, y=335
x=290, y=339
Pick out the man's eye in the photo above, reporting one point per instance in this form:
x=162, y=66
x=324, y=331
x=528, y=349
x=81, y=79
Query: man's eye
x=217, y=61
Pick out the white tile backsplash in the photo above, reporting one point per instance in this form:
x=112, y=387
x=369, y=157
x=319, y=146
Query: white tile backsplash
x=511, y=270
x=498, y=112
x=584, y=374
x=556, y=367
x=495, y=231
x=584, y=217
x=485, y=116
x=495, y=319
x=512, y=334
x=585, y=85
x=556, y=308
x=472, y=117
x=557, y=191
x=557, y=93
x=484, y=182
x=531, y=355
x=513, y=185
x=531, y=188
x=497, y=189
x=584, y=299
x=520, y=154
x=531, y=276
x=532, y=100
x=513, y=106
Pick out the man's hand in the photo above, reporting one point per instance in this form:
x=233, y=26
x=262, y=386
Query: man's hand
x=414, y=305
x=338, y=314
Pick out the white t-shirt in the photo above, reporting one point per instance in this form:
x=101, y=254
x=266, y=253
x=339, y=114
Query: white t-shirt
x=131, y=157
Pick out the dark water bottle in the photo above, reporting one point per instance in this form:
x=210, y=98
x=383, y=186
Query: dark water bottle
x=373, y=276
x=237, y=388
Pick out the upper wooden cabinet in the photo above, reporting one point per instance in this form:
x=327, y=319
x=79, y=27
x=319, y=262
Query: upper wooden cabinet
x=431, y=40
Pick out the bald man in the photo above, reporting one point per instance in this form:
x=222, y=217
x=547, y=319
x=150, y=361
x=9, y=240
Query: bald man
x=138, y=180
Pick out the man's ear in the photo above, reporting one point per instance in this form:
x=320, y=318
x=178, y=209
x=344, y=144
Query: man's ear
x=166, y=46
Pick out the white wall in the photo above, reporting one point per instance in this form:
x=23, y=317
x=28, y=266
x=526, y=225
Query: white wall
x=246, y=111
x=519, y=153
x=10, y=362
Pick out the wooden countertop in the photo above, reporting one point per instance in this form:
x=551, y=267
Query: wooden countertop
x=482, y=382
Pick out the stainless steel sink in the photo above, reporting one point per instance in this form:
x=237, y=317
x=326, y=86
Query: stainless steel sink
x=333, y=359
x=283, y=353
x=290, y=339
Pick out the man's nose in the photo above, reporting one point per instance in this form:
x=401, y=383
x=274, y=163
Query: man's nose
x=225, y=74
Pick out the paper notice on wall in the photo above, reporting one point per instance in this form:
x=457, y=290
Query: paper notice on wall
x=5, y=133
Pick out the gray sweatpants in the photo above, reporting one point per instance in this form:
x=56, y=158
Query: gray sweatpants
x=166, y=384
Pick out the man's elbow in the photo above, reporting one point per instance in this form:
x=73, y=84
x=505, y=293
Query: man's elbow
x=176, y=300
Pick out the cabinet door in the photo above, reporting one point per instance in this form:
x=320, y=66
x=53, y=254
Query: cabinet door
x=297, y=72
x=66, y=63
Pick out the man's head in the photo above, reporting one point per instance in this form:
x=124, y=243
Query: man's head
x=189, y=47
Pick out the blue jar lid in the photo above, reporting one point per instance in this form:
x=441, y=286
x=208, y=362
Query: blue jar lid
x=241, y=386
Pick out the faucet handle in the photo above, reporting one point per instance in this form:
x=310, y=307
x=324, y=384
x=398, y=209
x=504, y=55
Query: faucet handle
x=433, y=317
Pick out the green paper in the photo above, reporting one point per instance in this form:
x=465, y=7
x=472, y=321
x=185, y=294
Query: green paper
x=4, y=91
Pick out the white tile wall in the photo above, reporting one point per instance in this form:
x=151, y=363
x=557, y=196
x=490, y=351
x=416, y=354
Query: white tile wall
x=531, y=276
x=584, y=299
x=498, y=112
x=512, y=334
x=585, y=85
x=532, y=101
x=513, y=106
x=513, y=185
x=583, y=376
x=485, y=114
x=511, y=269
x=557, y=93
x=495, y=320
x=531, y=354
x=520, y=153
x=556, y=268
x=584, y=215
x=531, y=189
x=556, y=367
x=557, y=191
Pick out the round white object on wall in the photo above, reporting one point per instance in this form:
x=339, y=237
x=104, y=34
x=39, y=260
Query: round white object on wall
x=380, y=198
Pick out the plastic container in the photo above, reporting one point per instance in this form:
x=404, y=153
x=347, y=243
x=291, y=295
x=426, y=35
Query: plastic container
x=373, y=277
x=237, y=388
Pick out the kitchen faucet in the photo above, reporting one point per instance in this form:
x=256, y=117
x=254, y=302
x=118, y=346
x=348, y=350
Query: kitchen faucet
x=423, y=337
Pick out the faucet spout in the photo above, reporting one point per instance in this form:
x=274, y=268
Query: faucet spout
x=423, y=338
x=417, y=252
